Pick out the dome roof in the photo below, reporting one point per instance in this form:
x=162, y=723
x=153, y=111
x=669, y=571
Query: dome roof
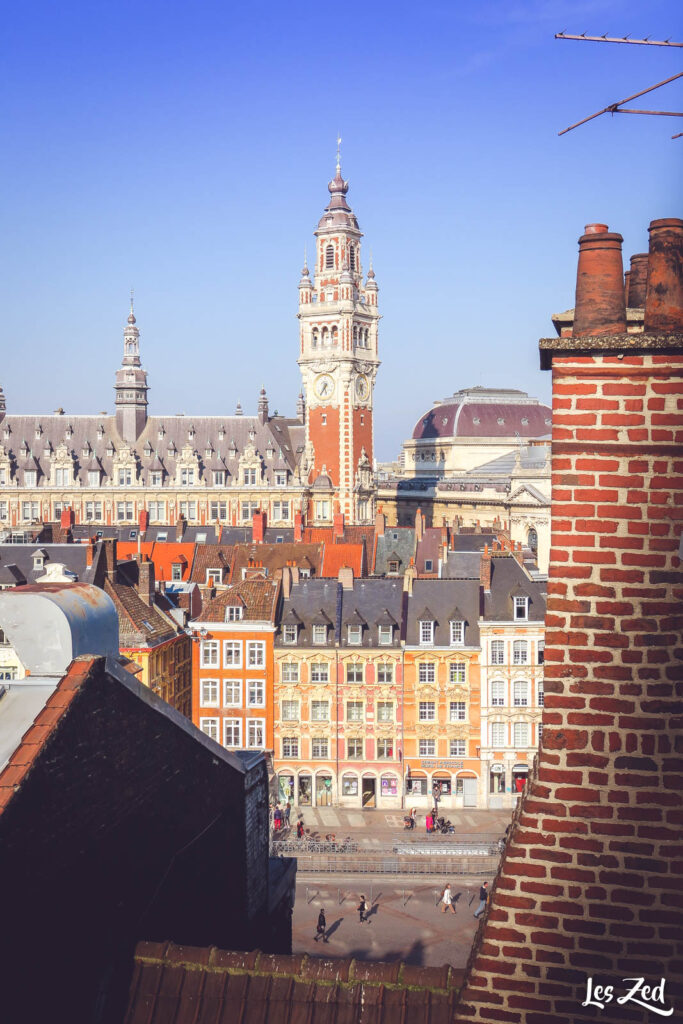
x=485, y=412
x=322, y=483
x=338, y=213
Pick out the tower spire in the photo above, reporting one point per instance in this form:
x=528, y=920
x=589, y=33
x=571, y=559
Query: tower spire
x=339, y=141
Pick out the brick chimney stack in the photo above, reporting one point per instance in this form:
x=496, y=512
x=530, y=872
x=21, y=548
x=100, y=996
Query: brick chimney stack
x=143, y=520
x=664, y=299
x=637, y=281
x=90, y=552
x=600, y=307
x=338, y=525
x=419, y=525
x=146, y=580
x=345, y=577
x=67, y=518
x=485, y=569
x=298, y=527
x=180, y=529
x=380, y=522
x=258, y=526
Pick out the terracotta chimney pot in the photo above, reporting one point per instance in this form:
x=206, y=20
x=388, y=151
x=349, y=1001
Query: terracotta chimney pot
x=637, y=286
x=664, y=299
x=600, y=306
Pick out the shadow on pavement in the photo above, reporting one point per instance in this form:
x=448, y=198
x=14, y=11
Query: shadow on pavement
x=333, y=928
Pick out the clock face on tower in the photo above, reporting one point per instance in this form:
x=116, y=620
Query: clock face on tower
x=324, y=386
x=362, y=387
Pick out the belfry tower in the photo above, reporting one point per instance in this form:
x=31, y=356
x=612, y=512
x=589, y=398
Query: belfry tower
x=338, y=320
x=131, y=385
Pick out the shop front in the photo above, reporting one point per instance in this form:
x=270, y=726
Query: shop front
x=520, y=773
x=350, y=790
x=497, y=784
x=323, y=789
x=390, y=790
x=466, y=789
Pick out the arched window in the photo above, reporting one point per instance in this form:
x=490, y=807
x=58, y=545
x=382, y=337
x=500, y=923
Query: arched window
x=352, y=258
x=367, y=338
x=329, y=257
x=355, y=335
x=325, y=336
x=334, y=335
x=532, y=539
x=314, y=339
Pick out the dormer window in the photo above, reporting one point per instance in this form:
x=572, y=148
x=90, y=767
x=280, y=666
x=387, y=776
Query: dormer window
x=393, y=566
x=219, y=478
x=426, y=632
x=30, y=478
x=289, y=634
x=100, y=432
x=457, y=632
x=354, y=635
x=384, y=635
x=319, y=634
x=176, y=571
x=38, y=561
x=186, y=477
x=213, y=577
x=521, y=607
x=39, y=431
x=329, y=257
x=233, y=613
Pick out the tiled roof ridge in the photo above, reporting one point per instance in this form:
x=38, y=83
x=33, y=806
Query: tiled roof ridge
x=43, y=727
x=344, y=971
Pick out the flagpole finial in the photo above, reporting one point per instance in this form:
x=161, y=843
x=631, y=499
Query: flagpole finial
x=339, y=152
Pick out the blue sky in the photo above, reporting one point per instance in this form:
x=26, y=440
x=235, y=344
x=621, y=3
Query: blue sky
x=184, y=150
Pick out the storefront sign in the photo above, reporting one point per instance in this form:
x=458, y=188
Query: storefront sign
x=433, y=765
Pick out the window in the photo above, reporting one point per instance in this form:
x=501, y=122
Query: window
x=319, y=747
x=456, y=748
x=234, y=612
x=281, y=481
x=354, y=750
x=162, y=536
x=426, y=672
x=322, y=510
x=186, y=477
x=157, y=511
x=429, y=565
x=363, y=504
x=329, y=257
x=427, y=748
x=125, y=511
x=427, y=711
x=219, y=478
x=218, y=510
x=352, y=258
x=209, y=727
x=320, y=672
x=319, y=634
x=540, y=651
x=290, y=711
x=520, y=693
x=256, y=653
x=498, y=734
x=385, y=711
x=354, y=711
x=393, y=566
x=256, y=693
x=213, y=577
x=497, y=652
x=457, y=711
x=385, y=750
x=385, y=672
x=256, y=733
x=354, y=634
x=188, y=509
x=498, y=693
x=30, y=510
x=94, y=481
x=457, y=632
x=93, y=510
x=426, y=632
x=521, y=607
x=125, y=477
x=208, y=654
x=232, y=732
x=4, y=512
x=156, y=478
x=289, y=634
x=520, y=734
x=3, y=477
x=290, y=671
x=232, y=653
x=30, y=477
x=280, y=511
x=354, y=672
x=456, y=671
x=320, y=710
x=385, y=635
x=63, y=477
x=290, y=746
x=520, y=652
x=176, y=571
x=249, y=477
x=232, y=693
x=540, y=695
x=540, y=731
x=209, y=693
x=248, y=509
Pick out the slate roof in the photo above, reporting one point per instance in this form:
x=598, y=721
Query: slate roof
x=485, y=412
x=185, y=984
x=163, y=436
x=441, y=597
x=316, y=602
x=372, y=603
x=531, y=457
x=259, y=598
x=396, y=540
x=508, y=577
x=73, y=556
x=461, y=565
x=429, y=548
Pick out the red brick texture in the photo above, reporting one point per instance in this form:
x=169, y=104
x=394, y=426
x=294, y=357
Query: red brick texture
x=590, y=884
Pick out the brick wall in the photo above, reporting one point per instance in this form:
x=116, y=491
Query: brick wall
x=590, y=883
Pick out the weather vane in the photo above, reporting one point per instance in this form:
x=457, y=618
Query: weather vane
x=338, y=152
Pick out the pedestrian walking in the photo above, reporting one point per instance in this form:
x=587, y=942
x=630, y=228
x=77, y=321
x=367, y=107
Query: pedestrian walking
x=429, y=822
x=447, y=899
x=483, y=899
x=362, y=909
x=288, y=811
x=321, y=926
x=299, y=829
x=413, y=818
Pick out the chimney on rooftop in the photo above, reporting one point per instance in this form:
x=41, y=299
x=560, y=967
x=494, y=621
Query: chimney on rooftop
x=338, y=525
x=258, y=527
x=90, y=552
x=637, y=281
x=146, y=580
x=485, y=569
x=143, y=520
x=419, y=525
x=180, y=529
x=600, y=307
x=345, y=577
x=408, y=577
x=664, y=299
x=298, y=527
x=380, y=522
x=67, y=518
